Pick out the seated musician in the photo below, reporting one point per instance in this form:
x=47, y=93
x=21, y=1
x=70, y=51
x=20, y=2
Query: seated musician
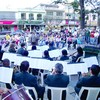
x=79, y=54
x=89, y=81
x=46, y=55
x=64, y=55
x=57, y=79
x=24, y=77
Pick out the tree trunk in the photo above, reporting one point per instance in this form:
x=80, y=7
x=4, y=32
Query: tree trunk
x=99, y=20
x=82, y=14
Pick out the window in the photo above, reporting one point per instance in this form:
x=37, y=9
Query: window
x=23, y=16
x=59, y=14
x=50, y=13
x=68, y=14
x=94, y=17
x=31, y=16
x=39, y=17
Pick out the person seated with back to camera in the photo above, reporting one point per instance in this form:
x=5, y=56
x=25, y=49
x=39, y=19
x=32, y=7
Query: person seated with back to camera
x=21, y=49
x=57, y=79
x=64, y=56
x=24, y=77
x=79, y=54
x=51, y=46
x=92, y=80
x=33, y=46
x=46, y=55
x=25, y=53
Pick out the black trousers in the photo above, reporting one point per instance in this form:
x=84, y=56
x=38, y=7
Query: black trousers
x=63, y=95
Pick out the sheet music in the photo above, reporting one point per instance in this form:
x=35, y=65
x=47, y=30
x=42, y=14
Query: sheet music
x=48, y=65
x=55, y=53
x=35, y=53
x=90, y=61
x=6, y=74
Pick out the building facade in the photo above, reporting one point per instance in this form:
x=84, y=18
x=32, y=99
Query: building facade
x=7, y=20
x=92, y=19
x=30, y=18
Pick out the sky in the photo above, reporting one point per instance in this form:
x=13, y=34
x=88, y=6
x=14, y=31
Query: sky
x=21, y=3
x=9, y=4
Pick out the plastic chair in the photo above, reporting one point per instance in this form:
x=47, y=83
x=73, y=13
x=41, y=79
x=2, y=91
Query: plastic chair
x=42, y=74
x=56, y=92
x=80, y=59
x=92, y=93
x=34, y=91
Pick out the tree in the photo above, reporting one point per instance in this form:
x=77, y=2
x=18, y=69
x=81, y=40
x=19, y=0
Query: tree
x=75, y=6
x=95, y=8
x=81, y=11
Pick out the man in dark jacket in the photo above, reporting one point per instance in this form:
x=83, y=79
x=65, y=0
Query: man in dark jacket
x=89, y=81
x=57, y=79
x=22, y=49
x=28, y=80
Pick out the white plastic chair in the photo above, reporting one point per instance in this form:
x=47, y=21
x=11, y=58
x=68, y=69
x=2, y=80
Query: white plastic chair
x=83, y=54
x=45, y=72
x=92, y=93
x=56, y=92
x=34, y=91
x=80, y=59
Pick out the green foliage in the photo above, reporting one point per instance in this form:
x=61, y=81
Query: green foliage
x=87, y=17
x=94, y=17
x=92, y=11
x=80, y=18
x=87, y=11
x=75, y=6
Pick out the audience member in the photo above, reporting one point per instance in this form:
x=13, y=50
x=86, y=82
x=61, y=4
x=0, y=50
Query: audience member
x=98, y=41
x=51, y=46
x=7, y=36
x=12, y=48
x=89, y=81
x=34, y=38
x=57, y=79
x=69, y=41
x=5, y=47
x=1, y=53
x=27, y=79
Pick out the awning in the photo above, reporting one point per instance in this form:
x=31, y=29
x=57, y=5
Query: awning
x=30, y=23
x=6, y=22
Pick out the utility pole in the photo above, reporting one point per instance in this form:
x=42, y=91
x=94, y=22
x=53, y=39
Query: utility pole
x=82, y=13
